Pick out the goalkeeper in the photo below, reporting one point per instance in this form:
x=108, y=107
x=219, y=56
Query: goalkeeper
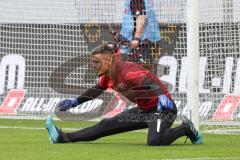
x=155, y=108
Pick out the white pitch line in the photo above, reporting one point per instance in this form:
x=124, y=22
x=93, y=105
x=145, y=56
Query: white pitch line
x=74, y=129
x=33, y=128
x=42, y=128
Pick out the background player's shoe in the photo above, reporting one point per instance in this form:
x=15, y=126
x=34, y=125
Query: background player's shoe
x=194, y=135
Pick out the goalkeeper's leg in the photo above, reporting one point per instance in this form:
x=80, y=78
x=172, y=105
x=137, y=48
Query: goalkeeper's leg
x=161, y=133
x=126, y=121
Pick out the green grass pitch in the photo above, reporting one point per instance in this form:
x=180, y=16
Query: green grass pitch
x=28, y=140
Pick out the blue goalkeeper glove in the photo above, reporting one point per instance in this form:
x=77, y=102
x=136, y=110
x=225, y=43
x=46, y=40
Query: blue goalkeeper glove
x=164, y=103
x=68, y=103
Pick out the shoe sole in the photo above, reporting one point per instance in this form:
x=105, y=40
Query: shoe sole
x=52, y=131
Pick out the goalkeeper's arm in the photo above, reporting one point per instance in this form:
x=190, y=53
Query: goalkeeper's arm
x=90, y=94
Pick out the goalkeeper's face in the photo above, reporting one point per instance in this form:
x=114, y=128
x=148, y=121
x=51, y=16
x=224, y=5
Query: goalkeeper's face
x=102, y=63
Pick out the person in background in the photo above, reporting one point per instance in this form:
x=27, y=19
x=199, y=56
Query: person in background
x=140, y=28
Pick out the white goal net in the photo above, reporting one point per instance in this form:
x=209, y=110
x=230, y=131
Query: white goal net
x=45, y=56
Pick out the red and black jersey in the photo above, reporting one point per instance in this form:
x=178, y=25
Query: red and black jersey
x=128, y=79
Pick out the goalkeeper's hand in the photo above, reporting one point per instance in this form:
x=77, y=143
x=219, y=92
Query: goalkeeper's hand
x=67, y=103
x=165, y=103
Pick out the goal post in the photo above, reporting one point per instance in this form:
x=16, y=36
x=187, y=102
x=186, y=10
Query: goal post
x=193, y=60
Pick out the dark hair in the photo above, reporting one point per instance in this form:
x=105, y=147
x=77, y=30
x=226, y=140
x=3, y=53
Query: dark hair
x=106, y=48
